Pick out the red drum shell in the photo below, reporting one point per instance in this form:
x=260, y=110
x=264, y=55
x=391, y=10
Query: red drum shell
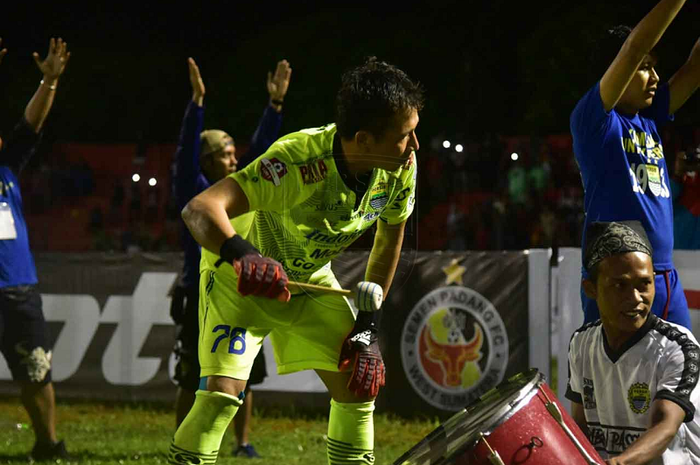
x=513, y=420
x=518, y=439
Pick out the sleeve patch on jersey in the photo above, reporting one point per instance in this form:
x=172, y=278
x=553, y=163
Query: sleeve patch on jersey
x=272, y=170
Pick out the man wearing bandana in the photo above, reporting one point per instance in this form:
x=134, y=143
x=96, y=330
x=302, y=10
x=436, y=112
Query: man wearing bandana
x=633, y=377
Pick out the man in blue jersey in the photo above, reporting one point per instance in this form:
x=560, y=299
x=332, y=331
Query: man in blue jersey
x=619, y=150
x=24, y=337
x=203, y=158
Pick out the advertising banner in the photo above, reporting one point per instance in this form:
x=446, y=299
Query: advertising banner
x=454, y=325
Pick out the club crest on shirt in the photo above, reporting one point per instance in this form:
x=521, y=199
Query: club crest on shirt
x=272, y=170
x=379, y=200
x=639, y=397
x=588, y=394
x=313, y=172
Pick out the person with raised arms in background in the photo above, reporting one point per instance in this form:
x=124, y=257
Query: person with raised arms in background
x=615, y=128
x=24, y=334
x=203, y=158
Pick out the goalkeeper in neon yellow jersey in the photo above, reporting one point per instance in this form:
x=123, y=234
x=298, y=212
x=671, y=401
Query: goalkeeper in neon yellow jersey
x=286, y=216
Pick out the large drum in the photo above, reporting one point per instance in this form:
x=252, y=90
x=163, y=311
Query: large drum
x=519, y=422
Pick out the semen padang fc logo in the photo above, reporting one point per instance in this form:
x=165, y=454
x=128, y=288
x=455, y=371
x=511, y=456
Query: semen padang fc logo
x=454, y=347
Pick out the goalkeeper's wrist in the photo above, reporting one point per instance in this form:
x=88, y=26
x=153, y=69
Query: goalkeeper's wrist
x=369, y=320
x=236, y=247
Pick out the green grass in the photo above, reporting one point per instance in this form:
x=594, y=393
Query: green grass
x=99, y=433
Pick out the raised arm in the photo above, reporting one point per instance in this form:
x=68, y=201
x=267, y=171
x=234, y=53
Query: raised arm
x=187, y=153
x=278, y=84
x=269, y=125
x=196, y=82
x=51, y=67
x=686, y=80
x=639, y=43
x=666, y=418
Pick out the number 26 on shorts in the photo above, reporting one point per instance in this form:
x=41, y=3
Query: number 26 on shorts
x=235, y=334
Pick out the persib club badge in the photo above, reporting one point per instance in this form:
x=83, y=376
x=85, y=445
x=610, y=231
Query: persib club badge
x=454, y=345
x=378, y=201
x=639, y=397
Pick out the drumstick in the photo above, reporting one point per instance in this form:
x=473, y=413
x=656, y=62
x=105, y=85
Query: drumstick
x=316, y=288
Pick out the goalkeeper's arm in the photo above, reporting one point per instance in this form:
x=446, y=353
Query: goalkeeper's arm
x=385, y=254
x=207, y=215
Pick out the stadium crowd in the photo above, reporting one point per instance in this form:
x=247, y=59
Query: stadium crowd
x=470, y=198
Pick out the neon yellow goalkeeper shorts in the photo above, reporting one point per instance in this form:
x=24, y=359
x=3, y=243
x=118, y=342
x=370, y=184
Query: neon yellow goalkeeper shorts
x=306, y=333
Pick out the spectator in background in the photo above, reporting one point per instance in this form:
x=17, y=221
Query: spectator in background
x=491, y=149
x=517, y=182
x=24, y=334
x=619, y=150
x=116, y=204
x=135, y=203
x=538, y=175
x=203, y=158
x=685, y=188
x=456, y=227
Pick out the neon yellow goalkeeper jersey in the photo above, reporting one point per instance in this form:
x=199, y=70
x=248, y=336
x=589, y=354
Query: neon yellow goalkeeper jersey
x=303, y=214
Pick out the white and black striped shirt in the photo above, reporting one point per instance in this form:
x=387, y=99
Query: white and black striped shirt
x=617, y=388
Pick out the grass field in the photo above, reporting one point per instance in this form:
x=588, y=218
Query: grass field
x=122, y=434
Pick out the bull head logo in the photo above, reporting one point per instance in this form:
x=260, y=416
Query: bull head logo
x=453, y=357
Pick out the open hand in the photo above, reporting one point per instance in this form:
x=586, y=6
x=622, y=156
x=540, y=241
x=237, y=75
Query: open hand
x=55, y=62
x=278, y=84
x=196, y=81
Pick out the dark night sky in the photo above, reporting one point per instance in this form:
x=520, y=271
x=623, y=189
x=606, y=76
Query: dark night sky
x=505, y=66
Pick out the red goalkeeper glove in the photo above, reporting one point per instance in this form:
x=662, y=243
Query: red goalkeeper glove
x=361, y=351
x=257, y=275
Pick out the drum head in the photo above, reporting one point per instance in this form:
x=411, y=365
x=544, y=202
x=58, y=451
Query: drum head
x=463, y=430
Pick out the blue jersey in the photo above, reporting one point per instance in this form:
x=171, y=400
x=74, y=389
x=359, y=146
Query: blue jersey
x=16, y=260
x=189, y=180
x=623, y=168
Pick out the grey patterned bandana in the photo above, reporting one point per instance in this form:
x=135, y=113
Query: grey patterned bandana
x=606, y=239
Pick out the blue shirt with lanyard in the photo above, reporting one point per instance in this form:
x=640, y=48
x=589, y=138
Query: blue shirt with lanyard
x=16, y=260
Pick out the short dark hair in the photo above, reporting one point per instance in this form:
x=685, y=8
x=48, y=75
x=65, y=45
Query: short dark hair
x=608, y=46
x=371, y=94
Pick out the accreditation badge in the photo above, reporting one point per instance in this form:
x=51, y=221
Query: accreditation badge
x=7, y=223
x=654, y=179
